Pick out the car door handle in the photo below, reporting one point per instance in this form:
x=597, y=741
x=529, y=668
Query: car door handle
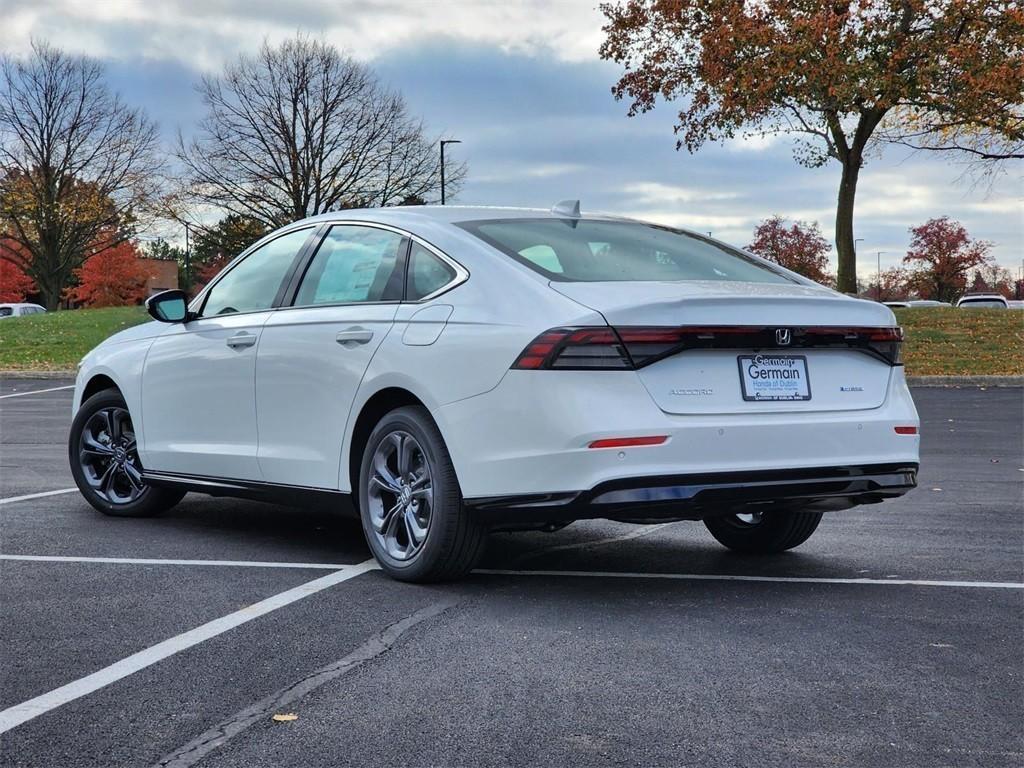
x=242, y=339
x=354, y=336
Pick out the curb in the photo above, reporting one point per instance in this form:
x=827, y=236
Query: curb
x=965, y=381
x=21, y=374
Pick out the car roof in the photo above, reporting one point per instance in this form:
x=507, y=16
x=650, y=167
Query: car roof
x=450, y=214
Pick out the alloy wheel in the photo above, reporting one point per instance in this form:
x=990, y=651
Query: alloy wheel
x=750, y=518
x=109, y=457
x=401, y=495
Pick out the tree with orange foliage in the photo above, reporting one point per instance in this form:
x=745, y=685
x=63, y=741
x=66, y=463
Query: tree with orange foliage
x=829, y=73
x=78, y=167
x=15, y=285
x=799, y=247
x=944, y=254
x=114, y=277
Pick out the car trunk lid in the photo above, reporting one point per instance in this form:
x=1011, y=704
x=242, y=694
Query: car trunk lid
x=706, y=347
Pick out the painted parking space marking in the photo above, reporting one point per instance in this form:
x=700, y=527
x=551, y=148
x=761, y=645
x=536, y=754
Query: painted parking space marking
x=36, y=391
x=164, y=561
x=44, y=494
x=773, y=579
x=21, y=713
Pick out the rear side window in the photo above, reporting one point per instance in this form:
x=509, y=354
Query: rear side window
x=427, y=273
x=354, y=264
x=582, y=250
x=253, y=283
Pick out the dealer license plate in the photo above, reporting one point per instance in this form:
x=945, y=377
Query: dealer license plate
x=774, y=377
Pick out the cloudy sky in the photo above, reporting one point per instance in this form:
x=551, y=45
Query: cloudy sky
x=520, y=83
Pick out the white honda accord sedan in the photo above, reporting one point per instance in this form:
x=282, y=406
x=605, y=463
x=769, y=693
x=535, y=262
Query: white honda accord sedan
x=443, y=372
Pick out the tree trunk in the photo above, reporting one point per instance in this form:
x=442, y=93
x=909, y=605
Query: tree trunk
x=845, y=246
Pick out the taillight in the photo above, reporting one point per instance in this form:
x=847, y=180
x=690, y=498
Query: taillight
x=569, y=349
x=888, y=342
x=632, y=347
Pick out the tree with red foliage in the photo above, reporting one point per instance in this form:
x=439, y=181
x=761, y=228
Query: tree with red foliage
x=113, y=277
x=15, y=285
x=993, y=278
x=799, y=247
x=892, y=285
x=944, y=254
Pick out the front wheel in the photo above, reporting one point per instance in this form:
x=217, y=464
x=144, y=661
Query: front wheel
x=763, y=533
x=410, y=502
x=105, y=462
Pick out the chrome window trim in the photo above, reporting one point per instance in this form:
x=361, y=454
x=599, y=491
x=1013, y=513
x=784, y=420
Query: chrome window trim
x=461, y=273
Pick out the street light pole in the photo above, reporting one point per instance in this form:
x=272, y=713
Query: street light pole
x=443, y=142
x=878, y=278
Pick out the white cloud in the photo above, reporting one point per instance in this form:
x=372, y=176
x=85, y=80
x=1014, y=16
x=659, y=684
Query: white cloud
x=202, y=33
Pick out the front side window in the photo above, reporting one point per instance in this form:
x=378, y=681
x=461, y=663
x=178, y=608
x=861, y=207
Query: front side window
x=587, y=250
x=427, y=273
x=253, y=283
x=6, y=311
x=354, y=264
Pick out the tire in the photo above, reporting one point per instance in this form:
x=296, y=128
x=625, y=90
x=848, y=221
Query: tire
x=105, y=462
x=410, y=503
x=763, y=533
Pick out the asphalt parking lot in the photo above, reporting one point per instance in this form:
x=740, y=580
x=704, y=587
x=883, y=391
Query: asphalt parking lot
x=892, y=638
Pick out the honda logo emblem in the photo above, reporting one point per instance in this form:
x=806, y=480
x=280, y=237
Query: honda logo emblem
x=783, y=337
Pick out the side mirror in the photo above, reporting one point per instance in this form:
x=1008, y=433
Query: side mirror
x=169, y=307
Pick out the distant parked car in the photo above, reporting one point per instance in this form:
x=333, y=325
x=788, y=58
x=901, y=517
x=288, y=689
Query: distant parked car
x=896, y=304
x=19, y=310
x=928, y=303
x=983, y=301
x=1014, y=304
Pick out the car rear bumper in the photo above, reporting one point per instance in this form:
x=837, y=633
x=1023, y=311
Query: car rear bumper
x=701, y=495
x=531, y=436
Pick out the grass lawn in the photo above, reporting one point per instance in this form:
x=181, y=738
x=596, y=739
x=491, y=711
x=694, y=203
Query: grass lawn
x=940, y=340
x=949, y=341
x=58, y=340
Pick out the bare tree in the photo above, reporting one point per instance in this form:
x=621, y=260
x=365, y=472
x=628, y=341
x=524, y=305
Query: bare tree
x=300, y=129
x=77, y=166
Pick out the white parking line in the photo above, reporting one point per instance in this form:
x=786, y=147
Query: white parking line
x=779, y=579
x=42, y=495
x=20, y=713
x=161, y=561
x=36, y=391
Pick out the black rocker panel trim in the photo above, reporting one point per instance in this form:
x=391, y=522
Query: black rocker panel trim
x=275, y=493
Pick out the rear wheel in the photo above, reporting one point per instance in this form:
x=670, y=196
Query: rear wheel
x=763, y=532
x=410, y=502
x=104, y=459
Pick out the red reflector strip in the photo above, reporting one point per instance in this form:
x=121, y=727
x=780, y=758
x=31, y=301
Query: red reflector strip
x=906, y=430
x=628, y=442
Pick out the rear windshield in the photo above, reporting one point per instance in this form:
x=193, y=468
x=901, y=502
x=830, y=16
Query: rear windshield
x=983, y=304
x=582, y=250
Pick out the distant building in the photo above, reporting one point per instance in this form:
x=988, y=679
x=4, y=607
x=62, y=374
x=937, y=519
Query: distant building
x=161, y=274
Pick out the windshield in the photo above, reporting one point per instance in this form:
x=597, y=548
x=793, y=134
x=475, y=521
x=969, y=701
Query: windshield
x=983, y=304
x=582, y=250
